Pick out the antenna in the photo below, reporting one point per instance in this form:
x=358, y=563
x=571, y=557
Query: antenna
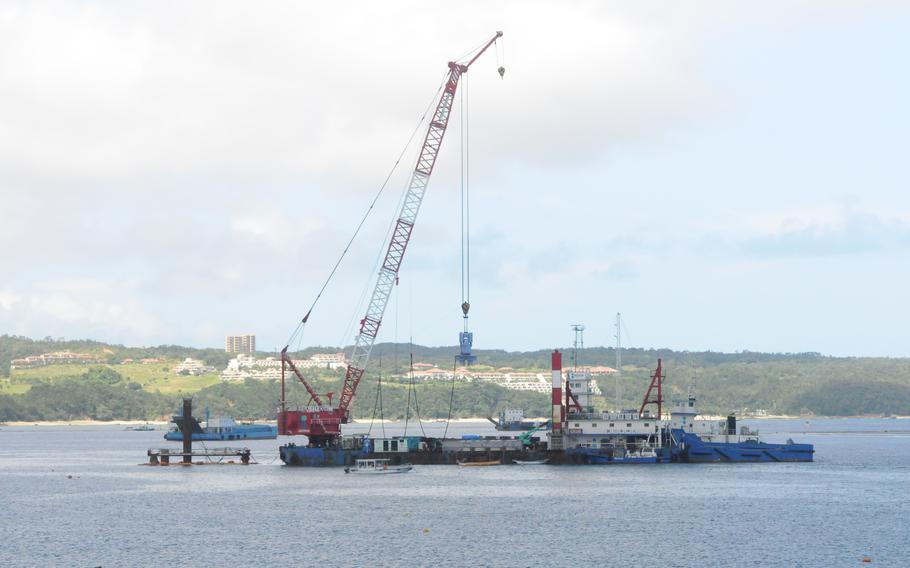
x=618, y=375
x=579, y=343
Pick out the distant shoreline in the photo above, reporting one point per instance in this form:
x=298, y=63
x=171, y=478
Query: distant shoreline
x=388, y=421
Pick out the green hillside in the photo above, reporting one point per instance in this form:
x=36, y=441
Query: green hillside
x=790, y=383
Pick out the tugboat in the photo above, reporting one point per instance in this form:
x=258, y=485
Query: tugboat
x=512, y=419
x=378, y=467
x=221, y=428
x=700, y=441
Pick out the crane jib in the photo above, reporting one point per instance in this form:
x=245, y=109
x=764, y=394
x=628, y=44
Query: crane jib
x=323, y=425
x=388, y=275
x=401, y=235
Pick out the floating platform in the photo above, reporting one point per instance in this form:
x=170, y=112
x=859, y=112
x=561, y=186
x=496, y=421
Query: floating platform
x=212, y=456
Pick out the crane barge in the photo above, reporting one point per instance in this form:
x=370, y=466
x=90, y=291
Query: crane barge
x=321, y=421
x=577, y=434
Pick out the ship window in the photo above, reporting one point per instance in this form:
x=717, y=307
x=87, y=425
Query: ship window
x=628, y=425
x=576, y=425
x=594, y=425
x=612, y=424
x=646, y=424
x=385, y=445
x=394, y=445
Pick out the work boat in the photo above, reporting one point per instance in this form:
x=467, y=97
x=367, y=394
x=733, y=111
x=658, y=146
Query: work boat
x=646, y=454
x=530, y=462
x=479, y=463
x=378, y=466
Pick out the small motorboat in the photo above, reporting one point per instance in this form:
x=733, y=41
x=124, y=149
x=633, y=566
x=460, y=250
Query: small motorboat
x=479, y=463
x=646, y=454
x=378, y=466
x=531, y=462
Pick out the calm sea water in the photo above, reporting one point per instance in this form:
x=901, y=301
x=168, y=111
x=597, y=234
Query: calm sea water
x=854, y=501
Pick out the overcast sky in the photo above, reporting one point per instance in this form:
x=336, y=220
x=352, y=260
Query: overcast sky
x=728, y=175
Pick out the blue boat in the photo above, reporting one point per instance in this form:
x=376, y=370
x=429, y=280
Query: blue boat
x=292, y=454
x=713, y=441
x=692, y=448
x=643, y=455
x=220, y=429
x=512, y=419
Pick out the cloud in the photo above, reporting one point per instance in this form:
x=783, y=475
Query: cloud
x=8, y=299
x=167, y=164
x=83, y=308
x=849, y=233
x=110, y=93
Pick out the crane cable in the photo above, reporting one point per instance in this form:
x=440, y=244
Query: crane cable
x=303, y=321
x=378, y=402
x=451, y=398
x=465, y=205
x=411, y=387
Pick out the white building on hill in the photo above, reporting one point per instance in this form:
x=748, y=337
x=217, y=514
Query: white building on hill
x=191, y=366
x=249, y=367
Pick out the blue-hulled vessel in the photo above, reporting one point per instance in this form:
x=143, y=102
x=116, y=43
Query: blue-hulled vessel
x=513, y=419
x=578, y=435
x=220, y=428
x=693, y=449
x=644, y=454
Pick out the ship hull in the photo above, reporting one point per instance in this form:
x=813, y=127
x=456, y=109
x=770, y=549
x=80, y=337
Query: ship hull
x=692, y=449
x=303, y=456
x=260, y=433
x=609, y=460
x=516, y=426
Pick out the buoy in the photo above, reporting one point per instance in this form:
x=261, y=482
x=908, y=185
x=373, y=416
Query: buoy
x=867, y=560
x=426, y=530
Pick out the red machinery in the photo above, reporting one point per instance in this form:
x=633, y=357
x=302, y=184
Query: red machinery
x=654, y=395
x=321, y=422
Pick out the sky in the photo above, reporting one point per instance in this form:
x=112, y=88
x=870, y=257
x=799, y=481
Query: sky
x=727, y=175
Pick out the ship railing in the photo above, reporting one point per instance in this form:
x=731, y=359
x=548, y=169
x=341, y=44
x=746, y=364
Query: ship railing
x=615, y=416
x=203, y=452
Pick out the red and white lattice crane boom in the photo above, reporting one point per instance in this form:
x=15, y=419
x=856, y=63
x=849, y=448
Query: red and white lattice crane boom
x=321, y=423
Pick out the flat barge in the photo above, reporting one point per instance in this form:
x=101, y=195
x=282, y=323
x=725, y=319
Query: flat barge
x=577, y=436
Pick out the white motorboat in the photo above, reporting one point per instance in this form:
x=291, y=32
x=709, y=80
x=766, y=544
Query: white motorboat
x=377, y=466
x=531, y=462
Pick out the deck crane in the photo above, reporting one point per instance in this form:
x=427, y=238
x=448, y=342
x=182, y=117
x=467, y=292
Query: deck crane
x=321, y=422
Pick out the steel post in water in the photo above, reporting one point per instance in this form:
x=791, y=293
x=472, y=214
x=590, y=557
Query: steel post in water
x=187, y=430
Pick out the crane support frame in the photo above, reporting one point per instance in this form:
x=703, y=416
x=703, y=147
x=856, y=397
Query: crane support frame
x=654, y=395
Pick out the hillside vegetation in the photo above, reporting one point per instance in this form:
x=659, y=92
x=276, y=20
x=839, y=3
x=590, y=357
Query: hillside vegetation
x=777, y=383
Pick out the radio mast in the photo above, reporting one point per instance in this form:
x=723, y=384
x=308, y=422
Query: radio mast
x=618, y=375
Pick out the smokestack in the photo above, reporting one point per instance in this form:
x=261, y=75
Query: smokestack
x=556, y=365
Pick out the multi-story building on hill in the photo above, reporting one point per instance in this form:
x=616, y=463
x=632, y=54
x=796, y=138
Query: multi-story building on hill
x=323, y=360
x=191, y=366
x=249, y=367
x=506, y=377
x=240, y=344
x=54, y=358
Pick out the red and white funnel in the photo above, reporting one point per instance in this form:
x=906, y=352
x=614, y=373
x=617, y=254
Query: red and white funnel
x=556, y=365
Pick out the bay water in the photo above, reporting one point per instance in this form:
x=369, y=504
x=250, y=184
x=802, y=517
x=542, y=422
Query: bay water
x=78, y=496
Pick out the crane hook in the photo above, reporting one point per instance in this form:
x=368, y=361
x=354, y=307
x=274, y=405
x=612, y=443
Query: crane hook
x=502, y=71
